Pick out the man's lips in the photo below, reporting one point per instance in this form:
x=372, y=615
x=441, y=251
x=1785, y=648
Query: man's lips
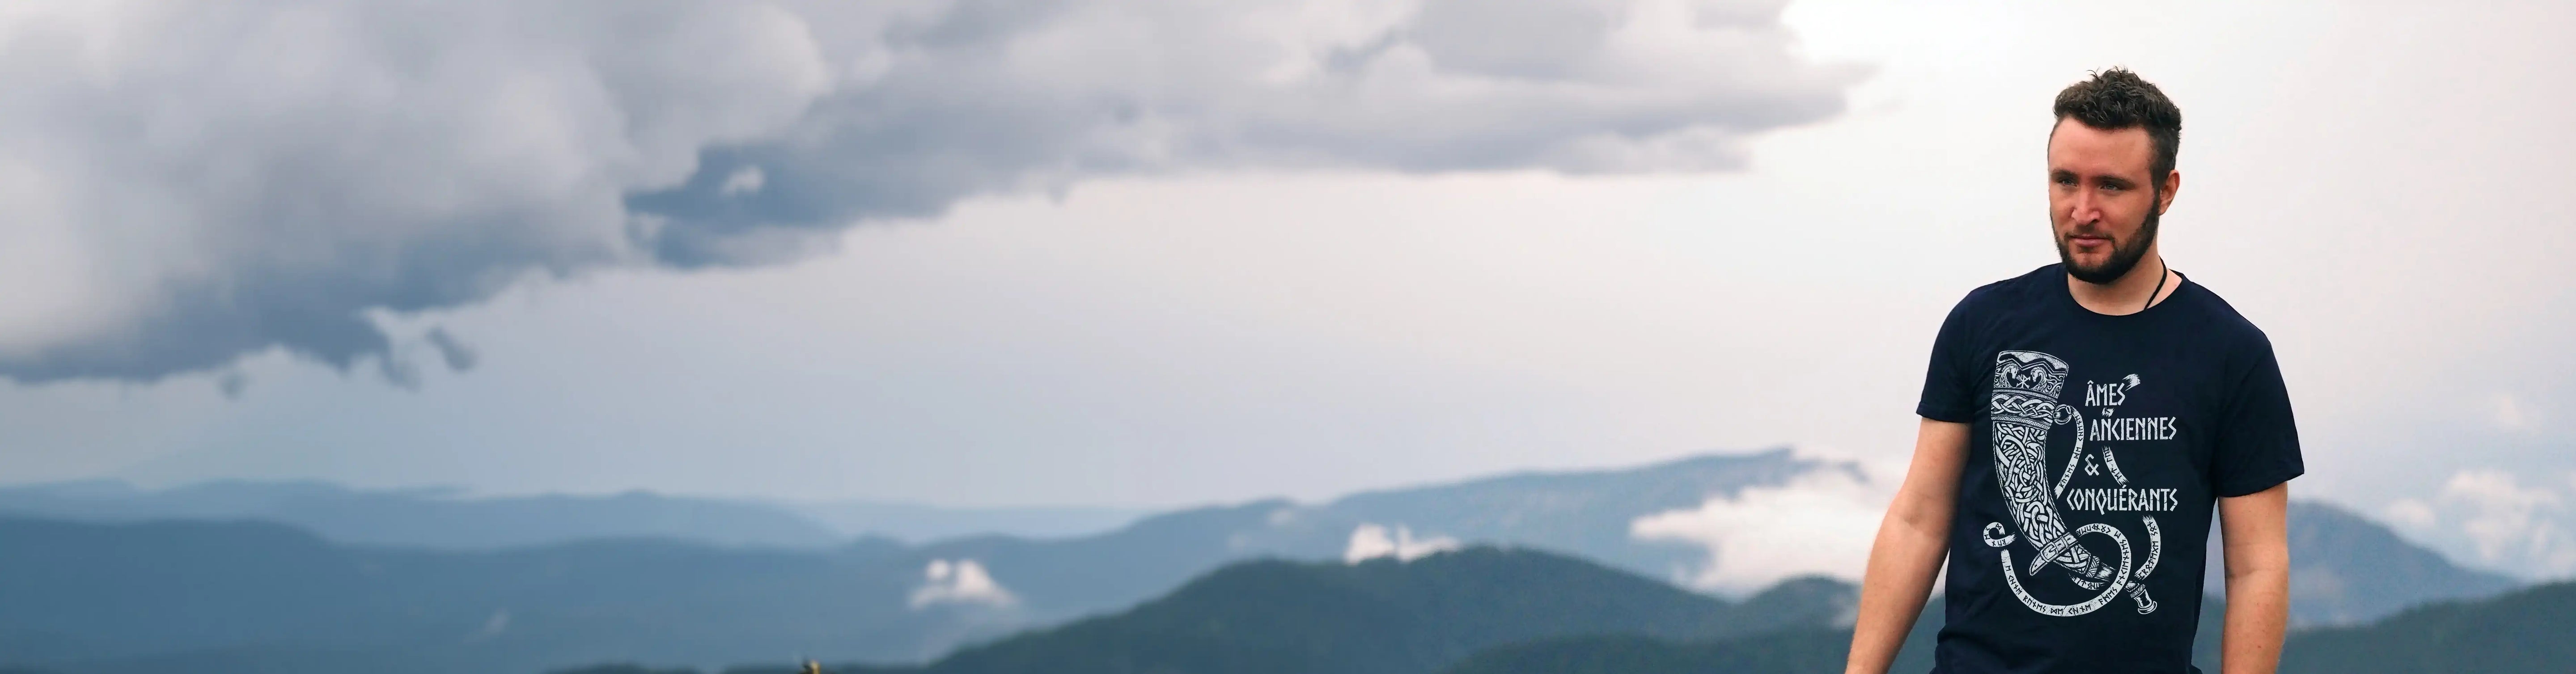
x=2086, y=241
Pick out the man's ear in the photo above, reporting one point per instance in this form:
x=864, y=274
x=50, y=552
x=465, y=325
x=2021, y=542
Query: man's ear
x=2165, y=197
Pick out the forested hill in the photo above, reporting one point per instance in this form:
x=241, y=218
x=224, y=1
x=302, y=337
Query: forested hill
x=2530, y=631
x=1385, y=617
x=1499, y=612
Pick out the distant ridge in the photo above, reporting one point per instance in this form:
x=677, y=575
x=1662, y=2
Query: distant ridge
x=428, y=518
x=446, y=519
x=2346, y=569
x=1585, y=512
x=248, y=597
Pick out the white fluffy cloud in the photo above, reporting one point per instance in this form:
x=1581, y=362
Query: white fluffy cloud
x=1820, y=523
x=1372, y=541
x=185, y=183
x=2528, y=530
x=963, y=581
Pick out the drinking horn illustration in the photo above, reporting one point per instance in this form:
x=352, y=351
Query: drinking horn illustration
x=2024, y=406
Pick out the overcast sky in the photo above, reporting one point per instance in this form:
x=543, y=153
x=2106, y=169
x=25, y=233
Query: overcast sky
x=1155, y=254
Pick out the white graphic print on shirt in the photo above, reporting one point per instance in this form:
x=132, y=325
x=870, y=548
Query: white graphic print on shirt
x=2024, y=407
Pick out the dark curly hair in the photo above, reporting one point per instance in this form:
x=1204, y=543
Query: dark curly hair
x=2117, y=99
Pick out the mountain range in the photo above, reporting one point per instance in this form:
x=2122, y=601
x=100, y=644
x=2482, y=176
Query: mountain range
x=447, y=519
x=1588, y=512
x=106, y=589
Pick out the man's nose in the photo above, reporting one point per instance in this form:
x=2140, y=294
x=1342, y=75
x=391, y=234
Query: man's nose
x=2083, y=209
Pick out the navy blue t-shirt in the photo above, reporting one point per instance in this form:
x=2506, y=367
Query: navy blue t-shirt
x=2097, y=448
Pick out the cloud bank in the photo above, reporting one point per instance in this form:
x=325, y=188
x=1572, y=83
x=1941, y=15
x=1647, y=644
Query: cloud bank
x=186, y=183
x=1820, y=523
x=2525, y=529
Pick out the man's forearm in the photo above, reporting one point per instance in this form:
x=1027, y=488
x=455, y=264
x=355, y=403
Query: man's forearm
x=2258, y=614
x=1908, y=550
x=1902, y=563
x=2258, y=580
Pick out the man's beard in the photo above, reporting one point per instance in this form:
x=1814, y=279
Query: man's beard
x=2123, y=257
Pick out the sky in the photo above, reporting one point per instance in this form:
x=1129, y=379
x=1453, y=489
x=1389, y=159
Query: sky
x=1156, y=254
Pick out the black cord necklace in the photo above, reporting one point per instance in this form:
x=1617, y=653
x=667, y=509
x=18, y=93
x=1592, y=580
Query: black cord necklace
x=2161, y=273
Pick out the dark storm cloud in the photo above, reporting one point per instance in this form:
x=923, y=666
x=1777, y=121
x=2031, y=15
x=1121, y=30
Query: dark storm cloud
x=992, y=97
x=200, y=182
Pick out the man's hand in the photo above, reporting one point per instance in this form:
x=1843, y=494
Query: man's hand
x=2258, y=579
x=1911, y=542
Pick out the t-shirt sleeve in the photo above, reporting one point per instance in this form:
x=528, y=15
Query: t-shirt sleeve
x=1950, y=383
x=2257, y=442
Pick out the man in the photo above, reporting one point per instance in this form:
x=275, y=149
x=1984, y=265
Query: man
x=2079, y=424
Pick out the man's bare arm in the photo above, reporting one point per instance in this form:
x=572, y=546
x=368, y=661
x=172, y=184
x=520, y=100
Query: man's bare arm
x=2258, y=579
x=1911, y=542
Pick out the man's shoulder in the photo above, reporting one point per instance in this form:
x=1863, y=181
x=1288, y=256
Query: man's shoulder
x=2220, y=319
x=2013, y=292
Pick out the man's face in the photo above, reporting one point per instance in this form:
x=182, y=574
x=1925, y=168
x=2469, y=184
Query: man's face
x=2101, y=204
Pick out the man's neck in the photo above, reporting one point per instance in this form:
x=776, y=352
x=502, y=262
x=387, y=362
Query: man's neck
x=2127, y=294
